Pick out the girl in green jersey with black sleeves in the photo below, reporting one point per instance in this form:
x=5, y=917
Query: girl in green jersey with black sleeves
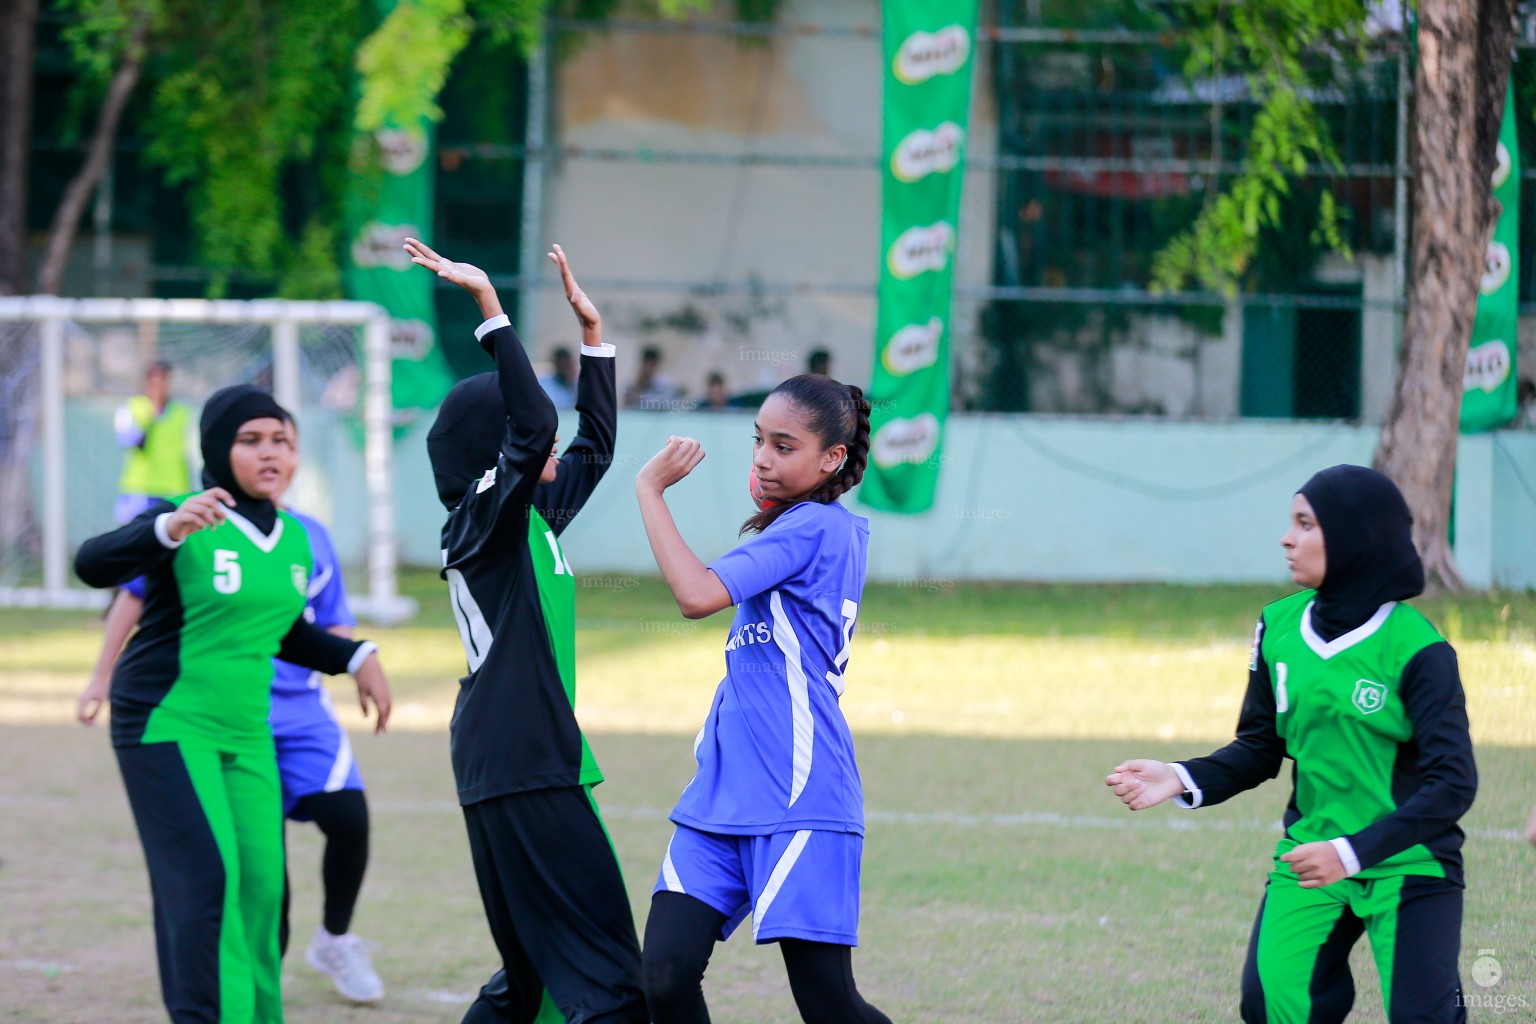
x=1364, y=696
x=226, y=575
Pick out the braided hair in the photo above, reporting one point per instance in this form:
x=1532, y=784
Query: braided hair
x=836, y=414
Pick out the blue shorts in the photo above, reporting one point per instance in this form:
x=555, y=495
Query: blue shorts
x=796, y=885
x=313, y=752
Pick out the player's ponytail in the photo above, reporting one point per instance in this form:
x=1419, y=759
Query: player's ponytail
x=836, y=414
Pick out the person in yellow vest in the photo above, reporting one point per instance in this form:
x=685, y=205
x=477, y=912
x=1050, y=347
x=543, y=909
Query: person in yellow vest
x=153, y=430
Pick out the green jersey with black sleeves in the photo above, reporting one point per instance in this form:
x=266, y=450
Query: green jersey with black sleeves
x=1339, y=708
x=218, y=607
x=1375, y=722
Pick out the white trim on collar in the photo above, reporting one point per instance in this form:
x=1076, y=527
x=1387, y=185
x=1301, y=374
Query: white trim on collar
x=264, y=541
x=1326, y=649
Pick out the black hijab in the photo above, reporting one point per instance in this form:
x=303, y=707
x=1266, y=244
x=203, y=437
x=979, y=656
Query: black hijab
x=465, y=441
x=225, y=412
x=1368, y=540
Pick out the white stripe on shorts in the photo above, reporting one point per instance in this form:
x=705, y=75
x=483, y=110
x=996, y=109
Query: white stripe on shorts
x=342, y=766
x=776, y=879
x=669, y=870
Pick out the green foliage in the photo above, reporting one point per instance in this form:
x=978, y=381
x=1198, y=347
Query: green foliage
x=241, y=94
x=1267, y=43
x=242, y=91
x=403, y=64
x=98, y=30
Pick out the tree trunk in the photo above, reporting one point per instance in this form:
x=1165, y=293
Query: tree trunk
x=1465, y=51
x=61, y=233
x=18, y=29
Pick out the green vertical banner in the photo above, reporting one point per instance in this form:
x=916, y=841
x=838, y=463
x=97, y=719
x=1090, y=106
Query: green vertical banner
x=388, y=199
x=1488, y=386
x=929, y=48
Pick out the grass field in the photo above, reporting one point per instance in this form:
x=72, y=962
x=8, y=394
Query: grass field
x=1002, y=882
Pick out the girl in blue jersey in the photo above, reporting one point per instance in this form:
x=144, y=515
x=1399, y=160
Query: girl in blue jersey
x=773, y=822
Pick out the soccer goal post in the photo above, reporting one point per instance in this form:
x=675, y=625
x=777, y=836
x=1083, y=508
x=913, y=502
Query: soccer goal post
x=67, y=365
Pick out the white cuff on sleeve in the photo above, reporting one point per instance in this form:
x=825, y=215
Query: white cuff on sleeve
x=1347, y=855
x=160, y=531
x=604, y=349
x=1191, y=797
x=492, y=324
x=361, y=655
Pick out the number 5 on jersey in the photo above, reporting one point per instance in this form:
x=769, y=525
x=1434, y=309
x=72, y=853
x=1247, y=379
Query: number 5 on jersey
x=226, y=571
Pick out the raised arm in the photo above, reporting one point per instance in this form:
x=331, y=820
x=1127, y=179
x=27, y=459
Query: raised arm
x=698, y=592
x=587, y=458
x=513, y=449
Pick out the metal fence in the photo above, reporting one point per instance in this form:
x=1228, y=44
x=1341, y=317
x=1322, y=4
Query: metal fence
x=752, y=242
x=1092, y=150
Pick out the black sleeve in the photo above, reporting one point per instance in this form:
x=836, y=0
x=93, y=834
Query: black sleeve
x=308, y=645
x=588, y=457
x=1256, y=754
x=531, y=425
x=1447, y=774
x=112, y=559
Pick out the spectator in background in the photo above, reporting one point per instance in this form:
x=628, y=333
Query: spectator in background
x=651, y=389
x=1525, y=403
x=819, y=361
x=716, y=397
x=560, y=383
x=153, y=429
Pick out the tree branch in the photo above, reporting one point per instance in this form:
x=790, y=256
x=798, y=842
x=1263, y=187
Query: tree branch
x=61, y=233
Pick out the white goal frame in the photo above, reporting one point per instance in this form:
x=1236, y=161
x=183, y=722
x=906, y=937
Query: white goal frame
x=383, y=601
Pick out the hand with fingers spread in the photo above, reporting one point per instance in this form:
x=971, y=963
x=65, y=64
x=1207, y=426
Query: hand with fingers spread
x=1143, y=783
x=201, y=511
x=466, y=275
x=675, y=460
x=373, y=687
x=586, y=313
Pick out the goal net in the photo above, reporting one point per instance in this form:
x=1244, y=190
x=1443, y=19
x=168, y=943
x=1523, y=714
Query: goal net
x=68, y=365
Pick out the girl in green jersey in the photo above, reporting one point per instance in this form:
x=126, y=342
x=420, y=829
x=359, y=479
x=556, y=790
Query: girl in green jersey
x=1364, y=697
x=226, y=575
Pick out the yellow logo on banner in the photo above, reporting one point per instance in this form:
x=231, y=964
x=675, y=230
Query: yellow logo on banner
x=1487, y=366
x=899, y=441
x=913, y=347
x=925, y=54
x=1496, y=265
x=920, y=249
x=925, y=152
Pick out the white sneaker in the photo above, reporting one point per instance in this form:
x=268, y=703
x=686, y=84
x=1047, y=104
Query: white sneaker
x=344, y=959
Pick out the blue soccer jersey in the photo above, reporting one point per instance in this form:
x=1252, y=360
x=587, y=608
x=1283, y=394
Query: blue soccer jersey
x=327, y=606
x=775, y=753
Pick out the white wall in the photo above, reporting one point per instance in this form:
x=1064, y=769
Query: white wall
x=1047, y=499
x=1020, y=497
x=710, y=222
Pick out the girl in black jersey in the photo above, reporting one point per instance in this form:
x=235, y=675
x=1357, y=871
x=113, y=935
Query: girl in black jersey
x=548, y=878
